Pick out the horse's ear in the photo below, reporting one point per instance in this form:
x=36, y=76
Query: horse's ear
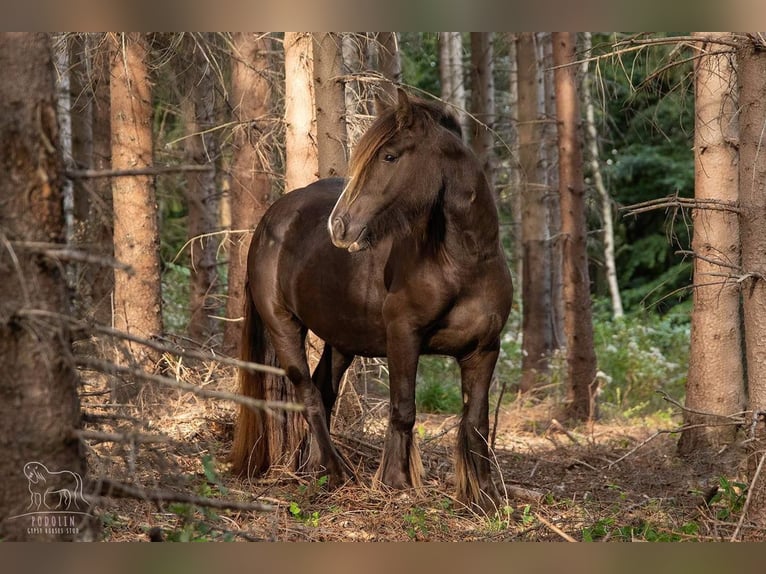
x=403, y=109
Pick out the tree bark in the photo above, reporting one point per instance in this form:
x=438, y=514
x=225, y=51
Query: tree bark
x=389, y=61
x=451, y=73
x=751, y=62
x=578, y=324
x=137, y=301
x=198, y=85
x=250, y=187
x=536, y=266
x=330, y=104
x=38, y=381
x=715, y=382
x=302, y=160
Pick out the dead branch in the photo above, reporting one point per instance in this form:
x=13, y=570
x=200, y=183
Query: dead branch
x=157, y=170
x=674, y=201
x=112, y=489
x=60, y=251
x=716, y=262
x=554, y=528
x=734, y=418
x=87, y=327
x=112, y=368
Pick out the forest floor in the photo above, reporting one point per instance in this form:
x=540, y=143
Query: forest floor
x=606, y=481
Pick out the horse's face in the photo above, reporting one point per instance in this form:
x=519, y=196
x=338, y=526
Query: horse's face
x=394, y=177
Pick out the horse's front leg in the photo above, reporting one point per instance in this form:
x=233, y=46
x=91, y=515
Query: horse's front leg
x=400, y=466
x=472, y=463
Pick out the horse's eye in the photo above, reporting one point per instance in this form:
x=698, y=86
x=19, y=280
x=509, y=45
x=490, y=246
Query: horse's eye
x=389, y=158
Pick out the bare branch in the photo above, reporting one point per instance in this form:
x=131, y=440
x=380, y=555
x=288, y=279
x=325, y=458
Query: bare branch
x=158, y=170
x=683, y=202
x=156, y=345
x=111, y=368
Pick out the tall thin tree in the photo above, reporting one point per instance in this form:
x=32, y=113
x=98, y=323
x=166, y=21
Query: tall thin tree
x=715, y=382
x=250, y=184
x=535, y=281
x=302, y=160
x=483, y=100
x=330, y=103
x=197, y=80
x=137, y=300
x=578, y=322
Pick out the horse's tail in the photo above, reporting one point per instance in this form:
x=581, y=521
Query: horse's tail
x=262, y=438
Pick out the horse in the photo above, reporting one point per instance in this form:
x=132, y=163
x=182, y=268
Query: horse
x=402, y=259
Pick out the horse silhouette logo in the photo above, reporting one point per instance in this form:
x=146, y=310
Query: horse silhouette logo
x=54, y=490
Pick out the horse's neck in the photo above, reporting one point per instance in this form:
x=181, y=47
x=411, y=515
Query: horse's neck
x=471, y=220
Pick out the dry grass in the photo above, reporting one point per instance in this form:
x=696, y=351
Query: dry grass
x=650, y=494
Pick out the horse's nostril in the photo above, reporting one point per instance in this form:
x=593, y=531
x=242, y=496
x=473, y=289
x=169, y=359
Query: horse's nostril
x=338, y=228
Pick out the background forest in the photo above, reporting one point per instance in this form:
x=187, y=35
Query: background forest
x=166, y=149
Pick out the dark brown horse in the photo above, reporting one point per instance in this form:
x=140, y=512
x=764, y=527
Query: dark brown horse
x=401, y=260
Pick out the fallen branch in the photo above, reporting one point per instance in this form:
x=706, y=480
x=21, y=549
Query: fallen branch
x=258, y=404
x=98, y=436
x=112, y=489
x=555, y=528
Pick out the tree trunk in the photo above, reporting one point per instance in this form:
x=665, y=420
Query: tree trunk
x=302, y=160
x=137, y=302
x=330, y=104
x=535, y=282
x=547, y=111
x=483, y=101
x=606, y=200
x=38, y=381
x=715, y=382
x=578, y=324
x=389, y=61
x=451, y=73
x=250, y=186
x=751, y=62
x=92, y=139
x=198, y=85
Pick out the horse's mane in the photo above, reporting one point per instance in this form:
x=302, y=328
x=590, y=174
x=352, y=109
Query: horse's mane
x=425, y=113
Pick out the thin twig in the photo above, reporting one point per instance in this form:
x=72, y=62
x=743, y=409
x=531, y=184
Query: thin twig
x=746, y=505
x=112, y=489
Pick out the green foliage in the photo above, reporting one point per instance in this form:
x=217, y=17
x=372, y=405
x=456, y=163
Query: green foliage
x=416, y=525
x=175, y=297
x=438, y=387
x=729, y=500
x=638, y=356
x=645, y=123
x=420, y=60
x=642, y=531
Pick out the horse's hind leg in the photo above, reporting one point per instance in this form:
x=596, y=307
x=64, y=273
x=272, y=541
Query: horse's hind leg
x=288, y=340
x=472, y=463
